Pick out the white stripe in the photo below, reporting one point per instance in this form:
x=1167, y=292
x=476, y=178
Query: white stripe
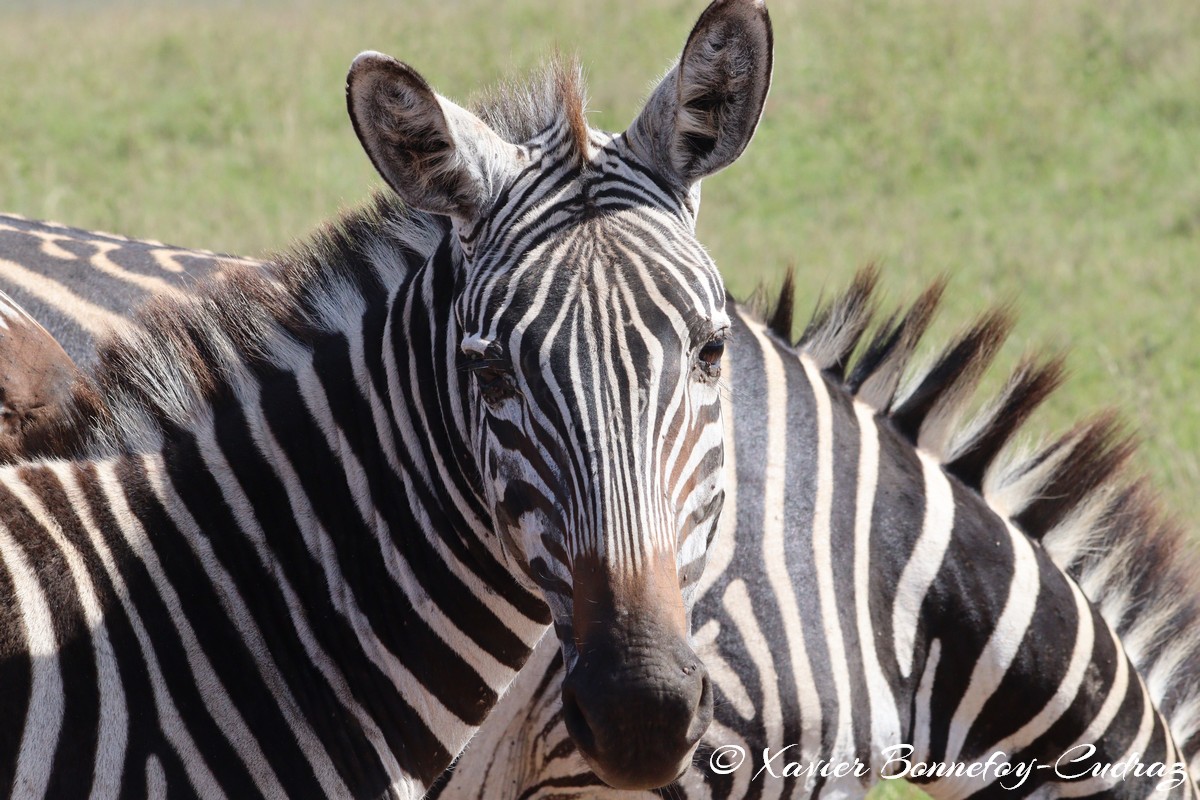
x=720, y=553
x=882, y=712
x=1068, y=686
x=149, y=283
x=774, y=543
x=921, y=703
x=44, y=715
x=738, y=605
x=92, y=318
x=1023, y=589
x=1137, y=747
x=822, y=544
x=923, y=563
x=724, y=676
x=156, y=779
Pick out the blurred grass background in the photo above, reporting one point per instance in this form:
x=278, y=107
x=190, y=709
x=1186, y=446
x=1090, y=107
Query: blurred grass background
x=1042, y=152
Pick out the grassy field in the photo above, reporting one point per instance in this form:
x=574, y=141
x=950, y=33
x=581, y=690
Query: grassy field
x=1047, y=153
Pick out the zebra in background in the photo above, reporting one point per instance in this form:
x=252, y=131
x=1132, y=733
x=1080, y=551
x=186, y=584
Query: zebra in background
x=81, y=284
x=84, y=283
x=332, y=503
x=888, y=578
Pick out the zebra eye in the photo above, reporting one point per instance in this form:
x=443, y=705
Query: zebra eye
x=495, y=384
x=710, y=358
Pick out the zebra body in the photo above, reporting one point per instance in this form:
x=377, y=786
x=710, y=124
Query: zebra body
x=835, y=695
x=329, y=505
x=866, y=595
x=84, y=283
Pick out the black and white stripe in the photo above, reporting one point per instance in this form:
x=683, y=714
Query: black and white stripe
x=84, y=283
x=889, y=579
x=275, y=571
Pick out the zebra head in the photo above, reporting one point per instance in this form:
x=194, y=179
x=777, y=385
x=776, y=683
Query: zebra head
x=591, y=324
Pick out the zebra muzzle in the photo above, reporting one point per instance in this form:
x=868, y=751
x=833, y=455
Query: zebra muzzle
x=637, y=699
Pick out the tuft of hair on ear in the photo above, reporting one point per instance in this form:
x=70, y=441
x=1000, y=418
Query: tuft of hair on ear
x=555, y=94
x=568, y=78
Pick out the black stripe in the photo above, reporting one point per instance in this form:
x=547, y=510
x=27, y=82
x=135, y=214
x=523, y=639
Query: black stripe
x=231, y=659
x=348, y=747
x=174, y=556
x=16, y=675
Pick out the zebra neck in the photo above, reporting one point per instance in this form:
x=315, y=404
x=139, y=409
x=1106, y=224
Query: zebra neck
x=960, y=637
x=997, y=652
x=297, y=589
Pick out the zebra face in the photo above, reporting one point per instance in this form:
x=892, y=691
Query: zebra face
x=600, y=440
x=591, y=326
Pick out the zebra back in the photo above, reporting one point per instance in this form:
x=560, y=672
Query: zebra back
x=81, y=283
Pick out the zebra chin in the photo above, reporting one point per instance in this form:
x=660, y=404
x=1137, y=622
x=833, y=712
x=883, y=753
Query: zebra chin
x=637, y=698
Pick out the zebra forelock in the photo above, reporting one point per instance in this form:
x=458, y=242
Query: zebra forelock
x=549, y=106
x=1076, y=496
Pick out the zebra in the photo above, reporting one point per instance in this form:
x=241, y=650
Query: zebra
x=81, y=284
x=84, y=283
x=896, y=590
x=329, y=505
x=521, y=749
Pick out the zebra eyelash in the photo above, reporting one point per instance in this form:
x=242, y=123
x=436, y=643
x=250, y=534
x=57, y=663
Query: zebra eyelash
x=494, y=376
x=481, y=363
x=709, y=355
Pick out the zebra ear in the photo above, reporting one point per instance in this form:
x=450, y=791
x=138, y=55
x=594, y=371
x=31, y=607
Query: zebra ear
x=704, y=112
x=437, y=156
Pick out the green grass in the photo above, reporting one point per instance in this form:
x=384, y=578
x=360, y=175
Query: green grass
x=1047, y=153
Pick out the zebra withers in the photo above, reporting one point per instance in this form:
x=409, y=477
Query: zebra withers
x=329, y=500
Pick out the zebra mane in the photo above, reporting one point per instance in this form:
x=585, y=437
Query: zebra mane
x=1076, y=496
x=179, y=354
x=553, y=95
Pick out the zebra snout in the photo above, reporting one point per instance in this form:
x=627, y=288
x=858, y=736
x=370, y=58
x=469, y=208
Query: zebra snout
x=637, y=721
